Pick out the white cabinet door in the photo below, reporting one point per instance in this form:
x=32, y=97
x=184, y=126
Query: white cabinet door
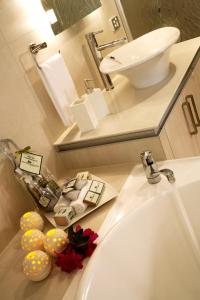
x=191, y=95
x=181, y=131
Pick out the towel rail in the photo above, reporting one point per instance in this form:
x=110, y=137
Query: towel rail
x=35, y=48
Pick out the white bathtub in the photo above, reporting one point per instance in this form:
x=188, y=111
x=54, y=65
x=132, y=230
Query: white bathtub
x=153, y=253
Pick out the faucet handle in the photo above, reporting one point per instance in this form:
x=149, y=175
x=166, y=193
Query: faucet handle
x=150, y=167
x=147, y=158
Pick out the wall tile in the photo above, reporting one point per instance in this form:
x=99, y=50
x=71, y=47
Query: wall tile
x=27, y=114
x=17, y=17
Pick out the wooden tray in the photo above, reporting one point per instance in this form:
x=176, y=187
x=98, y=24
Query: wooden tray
x=108, y=194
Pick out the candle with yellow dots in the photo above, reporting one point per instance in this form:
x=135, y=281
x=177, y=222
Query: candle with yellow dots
x=31, y=220
x=55, y=241
x=37, y=265
x=32, y=240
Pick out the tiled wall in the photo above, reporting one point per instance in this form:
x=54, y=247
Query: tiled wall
x=26, y=112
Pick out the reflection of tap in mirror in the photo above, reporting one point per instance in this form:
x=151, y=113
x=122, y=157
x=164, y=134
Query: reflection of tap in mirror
x=142, y=16
x=62, y=14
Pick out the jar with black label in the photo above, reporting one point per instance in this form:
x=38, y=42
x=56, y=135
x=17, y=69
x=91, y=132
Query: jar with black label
x=48, y=200
x=51, y=182
x=43, y=196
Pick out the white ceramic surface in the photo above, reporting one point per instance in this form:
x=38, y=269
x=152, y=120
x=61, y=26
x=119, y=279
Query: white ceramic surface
x=153, y=252
x=98, y=103
x=145, y=60
x=84, y=114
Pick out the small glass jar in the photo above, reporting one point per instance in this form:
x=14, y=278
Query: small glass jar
x=51, y=182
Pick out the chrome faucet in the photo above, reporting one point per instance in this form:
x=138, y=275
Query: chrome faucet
x=152, y=172
x=96, y=53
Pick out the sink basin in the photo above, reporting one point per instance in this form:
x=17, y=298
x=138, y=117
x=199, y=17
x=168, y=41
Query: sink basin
x=145, y=60
x=153, y=250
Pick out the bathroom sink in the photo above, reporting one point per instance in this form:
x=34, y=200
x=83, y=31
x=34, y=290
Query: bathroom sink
x=145, y=60
x=150, y=248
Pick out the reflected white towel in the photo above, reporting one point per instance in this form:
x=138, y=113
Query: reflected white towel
x=59, y=85
x=78, y=205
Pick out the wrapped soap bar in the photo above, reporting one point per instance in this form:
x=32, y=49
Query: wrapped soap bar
x=91, y=198
x=64, y=216
x=83, y=175
x=97, y=187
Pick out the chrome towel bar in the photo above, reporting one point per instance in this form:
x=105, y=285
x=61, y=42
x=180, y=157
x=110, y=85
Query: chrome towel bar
x=34, y=49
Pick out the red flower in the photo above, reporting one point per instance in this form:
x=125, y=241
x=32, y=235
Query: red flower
x=78, y=227
x=93, y=236
x=89, y=249
x=70, y=261
x=81, y=245
x=88, y=232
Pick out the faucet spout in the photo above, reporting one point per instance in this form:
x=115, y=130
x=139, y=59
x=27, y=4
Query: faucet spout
x=169, y=174
x=96, y=53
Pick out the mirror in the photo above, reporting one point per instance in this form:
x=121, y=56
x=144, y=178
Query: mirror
x=138, y=17
x=142, y=16
x=64, y=13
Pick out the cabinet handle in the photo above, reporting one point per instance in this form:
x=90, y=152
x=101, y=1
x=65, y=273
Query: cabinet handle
x=190, y=124
x=196, y=115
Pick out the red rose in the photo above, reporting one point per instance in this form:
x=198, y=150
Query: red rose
x=81, y=245
x=70, y=261
x=93, y=236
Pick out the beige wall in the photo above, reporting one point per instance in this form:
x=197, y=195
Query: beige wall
x=26, y=112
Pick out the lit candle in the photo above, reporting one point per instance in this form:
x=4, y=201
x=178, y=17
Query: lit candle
x=37, y=265
x=55, y=241
x=31, y=220
x=32, y=239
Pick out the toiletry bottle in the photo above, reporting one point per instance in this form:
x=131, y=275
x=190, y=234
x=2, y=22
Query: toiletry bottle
x=44, y=196
x=37, y=186
x=96, y=99
x=47, y=199
x=51, y=182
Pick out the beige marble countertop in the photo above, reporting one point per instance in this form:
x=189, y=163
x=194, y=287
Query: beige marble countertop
x=141, y=112
x=14, y=285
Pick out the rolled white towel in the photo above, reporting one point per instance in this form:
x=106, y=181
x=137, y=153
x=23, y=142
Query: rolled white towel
x=78, y=205
x=72, y=195
x=62, y=202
